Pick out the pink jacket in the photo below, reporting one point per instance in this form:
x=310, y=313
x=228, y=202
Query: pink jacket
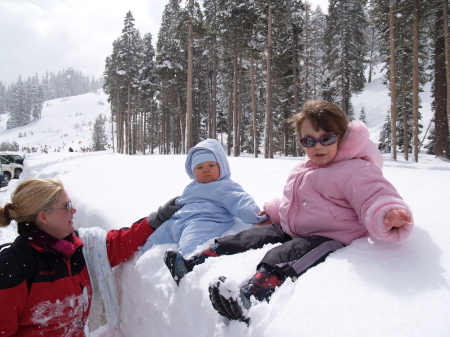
x=344, y=200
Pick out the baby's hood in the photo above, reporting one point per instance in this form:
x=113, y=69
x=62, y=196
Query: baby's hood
x=216, y=148
x=357, y=145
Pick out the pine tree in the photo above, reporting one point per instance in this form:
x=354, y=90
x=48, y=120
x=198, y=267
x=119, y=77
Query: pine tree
x=128, y=62
x=313, y=53
x=362, y=116
x=403, y=89
x=345, y=49
x=171, y=66
x=384, y=144
x=148, y=87
x=431, y=142
x=287, y=26
x=99, y=139
x=2, y=98
x=14, y=146
x=373, y=56
x=19, y=114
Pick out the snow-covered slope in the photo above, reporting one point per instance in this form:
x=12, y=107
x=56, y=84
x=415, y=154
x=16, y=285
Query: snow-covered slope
x=66, y=122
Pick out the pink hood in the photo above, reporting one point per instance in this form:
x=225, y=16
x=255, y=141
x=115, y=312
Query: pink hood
x=344, y=200
x=356, y=144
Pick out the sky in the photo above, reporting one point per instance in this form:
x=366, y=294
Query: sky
x=369, y=288
x=53, y=35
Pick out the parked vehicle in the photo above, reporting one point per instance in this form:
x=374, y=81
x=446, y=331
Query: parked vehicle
x=4, y=181
x=13, y=157
x=10, y=169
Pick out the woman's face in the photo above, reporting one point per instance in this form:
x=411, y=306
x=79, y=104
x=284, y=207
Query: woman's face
x=319, y=154
x=59, y=222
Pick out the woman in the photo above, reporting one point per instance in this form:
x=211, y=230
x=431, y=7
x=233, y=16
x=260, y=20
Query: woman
x=56, y=299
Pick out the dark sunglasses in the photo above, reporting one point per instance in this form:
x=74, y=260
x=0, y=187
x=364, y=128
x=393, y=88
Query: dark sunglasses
x=325, y=140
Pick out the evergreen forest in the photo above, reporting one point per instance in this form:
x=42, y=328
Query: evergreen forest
x=24, y=99
x=238, y=70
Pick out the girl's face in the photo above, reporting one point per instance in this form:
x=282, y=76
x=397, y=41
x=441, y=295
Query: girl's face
x=59, y=222
x=319, y=154
x=207, y=172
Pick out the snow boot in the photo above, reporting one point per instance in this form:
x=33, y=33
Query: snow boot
x=178, y=266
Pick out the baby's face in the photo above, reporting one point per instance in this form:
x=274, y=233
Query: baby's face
x=207, y=172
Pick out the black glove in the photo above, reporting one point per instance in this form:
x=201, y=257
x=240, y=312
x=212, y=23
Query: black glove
x=227, y=307
x=155, y=219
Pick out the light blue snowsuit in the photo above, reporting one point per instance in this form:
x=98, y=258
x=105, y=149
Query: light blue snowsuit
x=208, y=209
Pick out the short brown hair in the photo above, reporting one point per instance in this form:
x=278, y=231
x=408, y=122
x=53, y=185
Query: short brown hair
x=322, y=115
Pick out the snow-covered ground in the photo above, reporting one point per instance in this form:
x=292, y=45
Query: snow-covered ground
x=369, y=288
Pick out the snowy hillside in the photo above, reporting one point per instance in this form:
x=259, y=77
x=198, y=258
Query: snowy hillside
x=369, y=288
x=66, y=122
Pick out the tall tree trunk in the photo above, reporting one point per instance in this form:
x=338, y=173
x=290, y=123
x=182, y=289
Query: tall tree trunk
x=119, y=126
x=143, y=122
x=447, y=57
x=230, y=124
x=214, y=97
x=128, y=126
x=405, y=116
x=189, y=80
x=235, y=104
x=112, y=125
x=151, y=129
x=441, y=122
x=255, y=127
x=392, y=79
x=294, y=85
x=416, y=81
x=134, y=132
x=268, y=146
x=239, y=116
x=182, y=128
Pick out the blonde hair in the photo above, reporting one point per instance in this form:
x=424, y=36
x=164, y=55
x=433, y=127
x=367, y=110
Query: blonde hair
x=322, y=115
x=30, y=197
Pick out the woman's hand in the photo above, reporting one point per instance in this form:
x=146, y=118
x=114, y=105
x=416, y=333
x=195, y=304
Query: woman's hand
x=268, y=221
x=397, y=218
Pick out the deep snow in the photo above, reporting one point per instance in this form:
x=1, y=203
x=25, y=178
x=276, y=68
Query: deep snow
x=369, y=288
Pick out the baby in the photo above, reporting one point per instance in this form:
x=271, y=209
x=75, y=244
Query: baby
x=210, y=203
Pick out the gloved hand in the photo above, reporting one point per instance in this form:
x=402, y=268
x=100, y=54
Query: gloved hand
x=155, y=219
x=228, y=306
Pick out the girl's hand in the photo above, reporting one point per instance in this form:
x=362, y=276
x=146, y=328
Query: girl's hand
x=265, y=222
x=397, y=218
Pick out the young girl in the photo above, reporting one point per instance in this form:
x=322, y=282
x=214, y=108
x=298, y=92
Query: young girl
x=338, y=195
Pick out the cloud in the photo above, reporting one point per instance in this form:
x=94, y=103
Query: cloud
x=52, y=35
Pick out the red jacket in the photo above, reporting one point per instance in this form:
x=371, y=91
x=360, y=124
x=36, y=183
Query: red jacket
x=59, y=299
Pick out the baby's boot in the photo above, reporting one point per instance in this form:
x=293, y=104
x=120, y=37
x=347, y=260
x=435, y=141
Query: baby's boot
x=178, y=266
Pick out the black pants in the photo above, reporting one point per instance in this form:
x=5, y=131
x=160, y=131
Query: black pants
x=292, y=258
